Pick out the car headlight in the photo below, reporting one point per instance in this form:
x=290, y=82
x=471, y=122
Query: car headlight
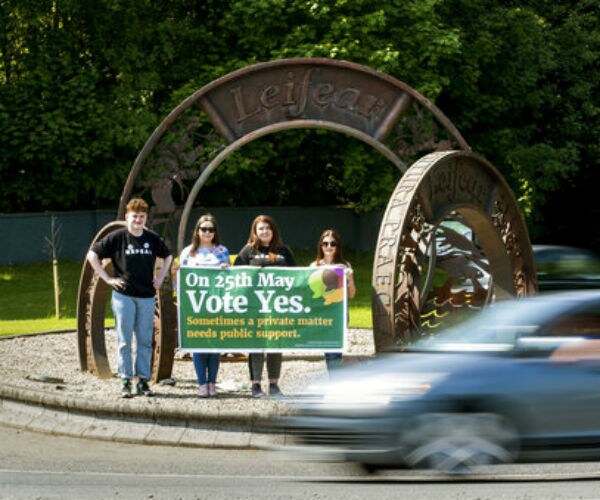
x=376, y=390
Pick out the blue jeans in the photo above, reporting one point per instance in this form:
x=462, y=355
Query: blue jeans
x=206, y=365
x=134, y=314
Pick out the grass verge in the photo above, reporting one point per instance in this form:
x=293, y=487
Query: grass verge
x=27, y=296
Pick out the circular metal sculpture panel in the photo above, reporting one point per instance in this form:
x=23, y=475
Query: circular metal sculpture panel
x=450, y=184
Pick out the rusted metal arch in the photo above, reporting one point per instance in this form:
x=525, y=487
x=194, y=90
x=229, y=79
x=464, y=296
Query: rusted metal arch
x=211, y=98
x=432, y=188
x=243, y=105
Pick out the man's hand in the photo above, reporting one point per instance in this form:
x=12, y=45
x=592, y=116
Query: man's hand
x=117, y=283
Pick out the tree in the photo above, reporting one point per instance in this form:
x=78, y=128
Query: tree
x=83, y=84
x=521, y=92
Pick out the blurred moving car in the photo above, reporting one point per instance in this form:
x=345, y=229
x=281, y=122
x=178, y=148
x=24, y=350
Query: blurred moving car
x=520, y=381
x=561, y=267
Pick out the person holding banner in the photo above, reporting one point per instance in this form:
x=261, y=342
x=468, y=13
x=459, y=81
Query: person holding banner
x=205, y=250
x=265, y=248
x=329, y=253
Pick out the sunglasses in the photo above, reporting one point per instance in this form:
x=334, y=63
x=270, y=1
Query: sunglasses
x=329, y=243
x=207, y=229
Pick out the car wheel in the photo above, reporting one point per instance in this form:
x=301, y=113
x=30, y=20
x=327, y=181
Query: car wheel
x=456, y=442
x=369, y=468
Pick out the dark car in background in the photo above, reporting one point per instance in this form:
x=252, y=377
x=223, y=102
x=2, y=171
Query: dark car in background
x=518, y=382
x=563, y=267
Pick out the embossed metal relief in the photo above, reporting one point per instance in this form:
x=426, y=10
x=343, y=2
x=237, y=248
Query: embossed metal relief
x=293, y=93
x=422, y=269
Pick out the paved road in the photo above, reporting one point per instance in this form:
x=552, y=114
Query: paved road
x=41, y=466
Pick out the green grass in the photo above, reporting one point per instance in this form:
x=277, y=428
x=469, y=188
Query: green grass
x=27, y=296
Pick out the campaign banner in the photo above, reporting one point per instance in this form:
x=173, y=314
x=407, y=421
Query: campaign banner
x=250, y=309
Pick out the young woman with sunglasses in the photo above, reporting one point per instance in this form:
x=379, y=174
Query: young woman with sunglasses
x=205, y=250
x=265, y=248
x=329, y=253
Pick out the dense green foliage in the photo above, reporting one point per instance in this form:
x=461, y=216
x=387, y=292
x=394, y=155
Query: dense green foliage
x=83, y=84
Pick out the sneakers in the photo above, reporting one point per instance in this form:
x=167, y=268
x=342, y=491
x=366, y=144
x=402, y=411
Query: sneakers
x=143, y=389
x=257, y=391
x=126, y=388
x=275, y=391
x=203, y=392
x=212, y=390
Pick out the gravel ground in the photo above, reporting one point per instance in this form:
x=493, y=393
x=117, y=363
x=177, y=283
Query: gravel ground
x=50, y=363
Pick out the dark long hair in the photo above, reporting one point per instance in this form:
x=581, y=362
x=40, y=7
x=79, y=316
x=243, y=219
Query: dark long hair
x=338, y=256
x=196, y=236
x=254, y=241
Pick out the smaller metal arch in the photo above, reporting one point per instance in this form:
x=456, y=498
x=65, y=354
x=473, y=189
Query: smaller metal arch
x=433, y=187
x=91, y=309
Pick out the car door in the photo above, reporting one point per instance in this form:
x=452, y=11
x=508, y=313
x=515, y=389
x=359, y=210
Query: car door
x=564, y=392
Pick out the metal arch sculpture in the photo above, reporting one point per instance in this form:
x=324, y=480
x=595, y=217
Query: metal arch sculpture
x=195, y=138
x=435, y=186
x=303, y=93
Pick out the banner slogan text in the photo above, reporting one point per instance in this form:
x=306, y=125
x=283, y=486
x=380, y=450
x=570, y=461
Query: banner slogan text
x=268, y=308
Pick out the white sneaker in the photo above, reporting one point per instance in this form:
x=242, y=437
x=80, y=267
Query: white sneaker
x=203, y=393
x=212, y=390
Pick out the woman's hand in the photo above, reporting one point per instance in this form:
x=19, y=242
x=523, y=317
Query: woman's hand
x=174, y=268
x=350, y=286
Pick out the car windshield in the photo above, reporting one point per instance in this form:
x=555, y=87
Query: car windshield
x=497, y=328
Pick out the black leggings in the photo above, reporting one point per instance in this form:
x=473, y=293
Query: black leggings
x=256, y=361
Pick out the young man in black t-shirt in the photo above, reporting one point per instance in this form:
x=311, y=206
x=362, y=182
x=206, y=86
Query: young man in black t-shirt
x=133, y=252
